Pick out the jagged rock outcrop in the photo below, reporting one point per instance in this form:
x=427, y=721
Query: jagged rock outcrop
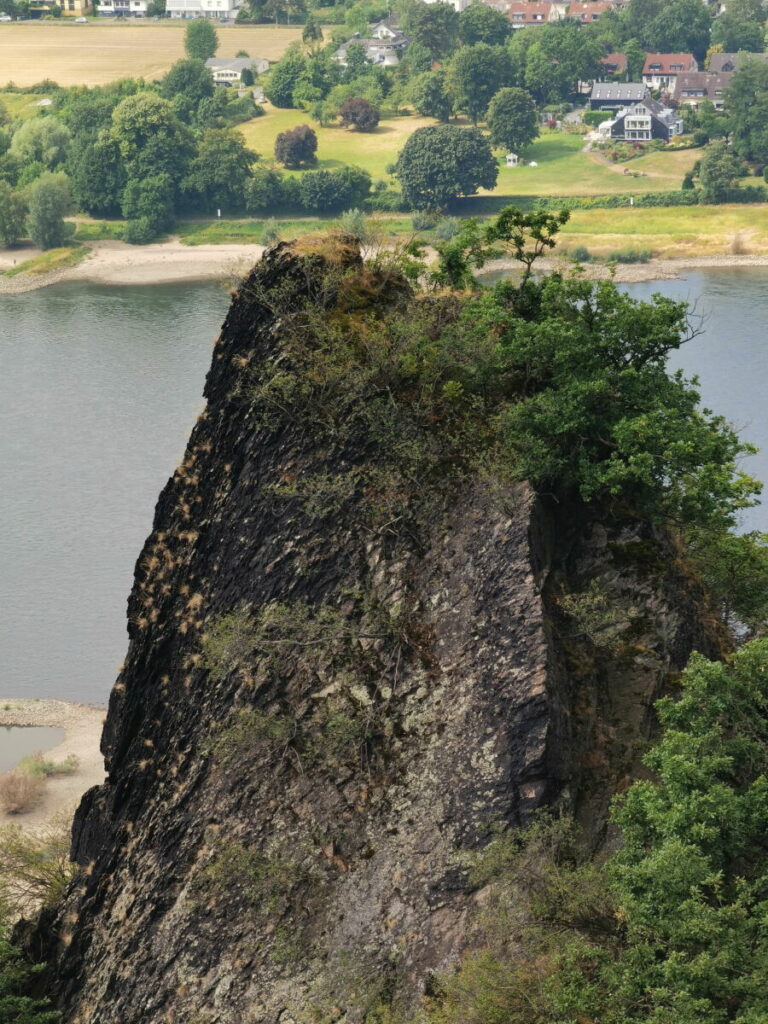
x=282, y=837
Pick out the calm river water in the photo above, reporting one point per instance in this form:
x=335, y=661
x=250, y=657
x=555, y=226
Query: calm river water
x=98, y=390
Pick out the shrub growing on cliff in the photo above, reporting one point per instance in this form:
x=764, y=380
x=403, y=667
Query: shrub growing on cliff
x=672, y=927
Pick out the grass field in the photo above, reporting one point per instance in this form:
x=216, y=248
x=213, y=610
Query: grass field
x=21, y=105
x=53, y=259
x=99, y=52
x=562, y=168
x=671, y=232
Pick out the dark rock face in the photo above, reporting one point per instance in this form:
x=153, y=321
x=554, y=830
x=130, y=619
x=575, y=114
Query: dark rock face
x=354, y=878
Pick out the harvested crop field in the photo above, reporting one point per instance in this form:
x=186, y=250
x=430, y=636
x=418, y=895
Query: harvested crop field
x=99, y=52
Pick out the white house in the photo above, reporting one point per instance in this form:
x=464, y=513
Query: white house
x=512, y=159
x=123, y=8
x=229, y=70
x=224, y=10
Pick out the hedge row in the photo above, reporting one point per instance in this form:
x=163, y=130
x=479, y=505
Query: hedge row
x=685, y=197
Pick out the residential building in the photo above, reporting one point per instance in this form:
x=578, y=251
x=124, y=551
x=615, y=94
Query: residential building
x=229, y=70
x=724, y=62
x=616, y=95
x=386, y=29
x=589, y=11
x=223, y=10
x=385, y=51
x=615, y=64
x=122, y=8
x=660, y=70
x=524, y=13
x=643, y=122
x=457, y=5
x=69, y=8
x=697, y=86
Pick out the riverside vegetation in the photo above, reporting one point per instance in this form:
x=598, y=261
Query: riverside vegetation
x=427, y=382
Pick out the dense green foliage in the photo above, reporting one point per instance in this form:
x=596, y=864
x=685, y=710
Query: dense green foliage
x=512, y=119
x=746, y=101
x=671, y=929
x=442, y=162
x=200, y=39
x=49, y=200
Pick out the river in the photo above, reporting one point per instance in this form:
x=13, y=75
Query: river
x=98, y=390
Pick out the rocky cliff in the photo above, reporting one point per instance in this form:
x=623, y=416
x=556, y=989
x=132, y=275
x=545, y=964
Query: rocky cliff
x=323, y=710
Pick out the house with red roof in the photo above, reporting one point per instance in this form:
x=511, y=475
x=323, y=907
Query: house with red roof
x=589, y=11
x=660, y=70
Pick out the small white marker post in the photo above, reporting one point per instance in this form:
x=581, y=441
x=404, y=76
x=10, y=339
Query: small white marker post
x=218, y=214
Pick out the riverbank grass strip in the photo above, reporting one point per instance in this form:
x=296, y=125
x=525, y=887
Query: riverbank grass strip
x=52, y=259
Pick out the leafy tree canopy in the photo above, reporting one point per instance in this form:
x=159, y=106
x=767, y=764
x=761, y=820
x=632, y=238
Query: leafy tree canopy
x=442, y=162
x=746, y=103
x=475, y=73
x=480, y=23
x=201, y=39
x=435, y=26
x=512, y=119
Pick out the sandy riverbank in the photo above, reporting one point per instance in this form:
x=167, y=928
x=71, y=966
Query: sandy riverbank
x=82, y=725
x=116, y=263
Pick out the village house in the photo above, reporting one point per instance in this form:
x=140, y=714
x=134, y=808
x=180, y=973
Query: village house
x=697, y=86
x=229, y=70
x=524, y=13
x=660, y=70
x=725, y=62
x=643, y=122
x=588, y=12
x=69, y=8
x=122, y=8
x=385, y=50
x=616, y=95
x=615, y=64
x=223, y=10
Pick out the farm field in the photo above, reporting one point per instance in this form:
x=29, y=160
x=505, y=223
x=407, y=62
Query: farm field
x=670, y=232
x=562, y=168
x=101, y=52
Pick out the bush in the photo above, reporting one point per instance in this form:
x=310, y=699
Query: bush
x=353, y=222
x=359, y=113
x=296, y=147
x=38, y=765
x=321, y=191
x=271, y=234
x=700, y=138
x=139, y=231
x=20, y=792
x=384, y=201
x=594, y=118
x=630, y=255
x=581, y=254
x=446, y=229
x=423, y=220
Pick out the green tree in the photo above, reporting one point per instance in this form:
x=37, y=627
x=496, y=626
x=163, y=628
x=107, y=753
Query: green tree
x=475, y=74
x=435, y=26
x=218, y=173
x=98, y=177
x=683, y=26
x=746, y=104
x=544, y=78
x=719, y=171
x=43, y=140
x=200, y=39
x=188, y=82
x=417, y=59
x=150, y=200
x=16, y=977
x=442, y=162
x=733, y=34
x=429, y=95
x=49, y=200
x=284, y=77
x=635, y=55
x=312, y=32
x=151, y=138
x=512, y=119
x=13, y=213
x=479, y=23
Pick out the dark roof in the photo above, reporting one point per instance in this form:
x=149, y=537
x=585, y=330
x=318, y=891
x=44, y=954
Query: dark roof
x=616, y=61
x=702, y=81
x=720, y=62
x=619, y=92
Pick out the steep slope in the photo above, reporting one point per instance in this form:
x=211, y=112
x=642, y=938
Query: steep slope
x=324, y=707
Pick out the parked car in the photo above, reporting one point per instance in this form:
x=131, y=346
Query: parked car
x=5, y=17
x=81, y=21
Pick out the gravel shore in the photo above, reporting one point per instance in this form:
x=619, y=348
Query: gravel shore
x=82, y=725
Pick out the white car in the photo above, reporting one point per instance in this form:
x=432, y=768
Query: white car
x=81, y=21
x=5, y=17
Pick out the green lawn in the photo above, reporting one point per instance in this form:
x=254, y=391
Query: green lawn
x=19, y=104
x=384, y=228
x=372, y=151
x=52, y=259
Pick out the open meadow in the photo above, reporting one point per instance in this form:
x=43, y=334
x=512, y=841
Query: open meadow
x=563, y=169
x=101, y=52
